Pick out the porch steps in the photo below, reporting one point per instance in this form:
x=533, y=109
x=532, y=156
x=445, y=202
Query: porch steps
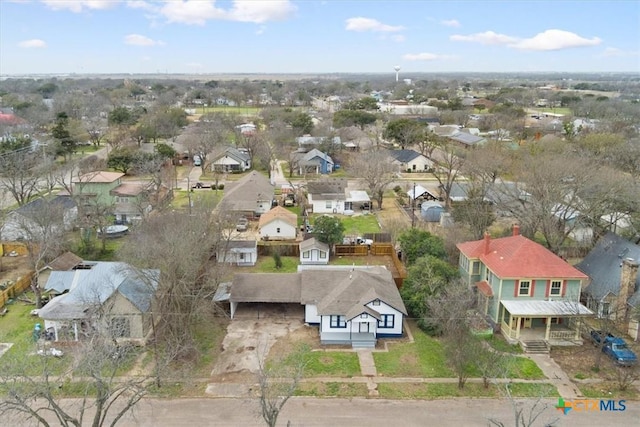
x=535, y=346
x=363, y=344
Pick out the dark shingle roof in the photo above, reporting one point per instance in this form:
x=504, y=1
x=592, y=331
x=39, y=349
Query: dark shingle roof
x=404, y=156
x=58, y=202
x=327, y=186
x=603, y=266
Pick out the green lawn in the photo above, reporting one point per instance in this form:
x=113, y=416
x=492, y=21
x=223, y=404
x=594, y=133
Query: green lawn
x=202, y=197
x=331, y=364
x=348, y=260
x=500, y=344
x=266, y=264
x=448, y=390
x=424, y=358
x=332, y=389
x=357, y=225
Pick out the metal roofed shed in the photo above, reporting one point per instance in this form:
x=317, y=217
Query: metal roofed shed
x=431, y=211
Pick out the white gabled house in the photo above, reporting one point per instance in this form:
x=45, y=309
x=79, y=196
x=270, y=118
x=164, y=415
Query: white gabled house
x=314, y=252
x=231, y=160
x=278, y=224
x=238, y=252
x=350, y=305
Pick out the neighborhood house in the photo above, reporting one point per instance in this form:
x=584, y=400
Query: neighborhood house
x=525, y=289
x=350, y=305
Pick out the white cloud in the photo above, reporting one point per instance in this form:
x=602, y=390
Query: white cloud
x=487, y=38
x=612, y=52
x=361, y=24
x=555, y=40
x=143, y=5
x=33, y=44
x=140, y=40
x=425, y=56
x=451, y=23
x=198, y=12
x=78, y=6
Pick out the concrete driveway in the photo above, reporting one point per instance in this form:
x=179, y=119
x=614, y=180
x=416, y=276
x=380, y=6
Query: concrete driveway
x=251, y=334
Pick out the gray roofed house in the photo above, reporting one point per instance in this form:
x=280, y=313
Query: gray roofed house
x=113, y=288
x=38, y=213
x=315, y=161
x=351, y=305
x=466, y=139
x=614, y=283
x=410, y=160
x=231, y=159
x=251, y=195
x=238, y=252
x=313, y=251
x=314, y=141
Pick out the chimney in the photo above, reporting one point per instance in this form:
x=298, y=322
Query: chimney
x=487, y=242
x=516, y=229
x=628, y=279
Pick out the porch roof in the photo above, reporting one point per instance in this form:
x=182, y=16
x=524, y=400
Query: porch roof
x=546, y=308
x=484, y=288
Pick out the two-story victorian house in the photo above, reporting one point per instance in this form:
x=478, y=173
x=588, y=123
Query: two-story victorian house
x=525, y=289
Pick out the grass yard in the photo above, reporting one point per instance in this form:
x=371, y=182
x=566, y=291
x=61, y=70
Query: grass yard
x=557, y=110
x=331, y=389
x=424, y=358
x=527, y=369
x=266, y=264
x=500, y=344
x=360, y=224
x=448, y=390
x=331, y=364
x=203, y=197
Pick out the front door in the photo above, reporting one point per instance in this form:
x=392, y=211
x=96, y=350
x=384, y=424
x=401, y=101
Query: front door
x=526, y=322
x=364, y=328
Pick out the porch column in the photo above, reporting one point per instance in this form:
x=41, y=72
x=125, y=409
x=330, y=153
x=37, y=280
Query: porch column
x=548, y=331
x=75, y=330
x=55, y=330
x=576, y=337
x=517, y=327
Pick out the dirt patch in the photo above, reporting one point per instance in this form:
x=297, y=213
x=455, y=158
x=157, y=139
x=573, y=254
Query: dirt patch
x=306, y=335
x=13, y=268
x=579, y=362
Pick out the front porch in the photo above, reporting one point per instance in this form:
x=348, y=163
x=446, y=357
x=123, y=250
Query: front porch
x=356, y=339
x=557, y=323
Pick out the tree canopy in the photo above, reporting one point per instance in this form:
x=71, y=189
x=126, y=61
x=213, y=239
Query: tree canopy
x=405, y=132
x=419, y=243
x=328, y=229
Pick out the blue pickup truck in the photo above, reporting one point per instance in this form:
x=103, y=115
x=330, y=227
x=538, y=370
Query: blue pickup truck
x=615, y=348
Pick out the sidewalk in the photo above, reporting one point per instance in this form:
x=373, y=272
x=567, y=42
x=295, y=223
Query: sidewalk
x=556, y=375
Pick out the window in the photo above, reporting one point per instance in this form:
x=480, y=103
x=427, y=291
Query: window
x=475, y=268
x=305, y=254
x=524, y=288
x=241, y=255
x=387, y=321
x=556, y=288
x=364, y=315
x=337, y=322
x=278, y=230
x=328, y=204
x=323, y=254
x=120, y=327
x=376, y=302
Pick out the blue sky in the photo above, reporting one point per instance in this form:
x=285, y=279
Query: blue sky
x=262, y=36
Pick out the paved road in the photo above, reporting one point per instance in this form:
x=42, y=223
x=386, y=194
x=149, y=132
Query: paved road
x=358, y=412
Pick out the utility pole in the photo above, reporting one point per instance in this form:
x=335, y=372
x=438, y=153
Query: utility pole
x=189, y=192
x=413, y=206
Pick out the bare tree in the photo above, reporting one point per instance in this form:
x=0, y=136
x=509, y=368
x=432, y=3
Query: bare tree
x=20, y=174
x=277, y=382
x=525, y=413
x=449, y=161
x=181, y=248
x=93, y=374
x=214, y=131
x=449, y=313
x=376, y=170
x=42, y=227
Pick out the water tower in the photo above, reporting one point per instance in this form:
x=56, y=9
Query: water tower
x=397, y=68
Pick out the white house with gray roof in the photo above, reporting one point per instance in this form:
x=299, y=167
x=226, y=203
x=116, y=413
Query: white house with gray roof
x=238, y=252
x=100, y=295
x=350, y=305
x=231, y=160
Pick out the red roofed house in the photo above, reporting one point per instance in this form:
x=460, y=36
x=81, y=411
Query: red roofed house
x=533, y=294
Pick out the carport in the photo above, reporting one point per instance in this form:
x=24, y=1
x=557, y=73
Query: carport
x=275, y=290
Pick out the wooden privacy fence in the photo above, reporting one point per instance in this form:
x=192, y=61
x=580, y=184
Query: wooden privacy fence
x=16, y=288
x=352, y=250
x=267, y=248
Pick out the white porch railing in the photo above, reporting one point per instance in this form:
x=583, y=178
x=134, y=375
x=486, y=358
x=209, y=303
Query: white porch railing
x=562, y=335
x=510, y=333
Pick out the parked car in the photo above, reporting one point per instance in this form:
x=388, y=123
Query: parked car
x=242, y=224
x=197, y=160
x=614, y=347
x=357, y=241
